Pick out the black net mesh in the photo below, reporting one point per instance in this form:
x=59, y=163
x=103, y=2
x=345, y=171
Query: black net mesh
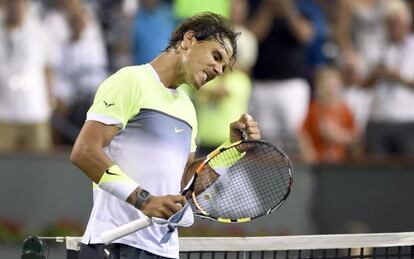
x=375, y=245
x=383, y=252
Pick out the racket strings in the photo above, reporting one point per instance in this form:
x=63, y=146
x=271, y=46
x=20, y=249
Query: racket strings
x=205, y=179
x=245, y=184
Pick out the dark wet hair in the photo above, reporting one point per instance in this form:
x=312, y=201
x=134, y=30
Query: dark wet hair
x=207, y=26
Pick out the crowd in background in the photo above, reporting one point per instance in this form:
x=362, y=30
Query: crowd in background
x=327, y=80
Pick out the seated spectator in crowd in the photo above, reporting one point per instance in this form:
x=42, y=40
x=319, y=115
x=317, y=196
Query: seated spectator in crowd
x=25, y=96
x=329, y=129
x=80, y=64
x=151, y=29
x=280, y=95
x=391, y=127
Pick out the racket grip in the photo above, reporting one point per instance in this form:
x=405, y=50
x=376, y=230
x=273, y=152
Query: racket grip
x=244, y=132
x=133, y=226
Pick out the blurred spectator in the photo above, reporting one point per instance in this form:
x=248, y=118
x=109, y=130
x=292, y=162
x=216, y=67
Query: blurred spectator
x=119, y=33
x=361, y=38
x=358, y=98
x=186, y=8
x=25, y=78
x=222, y=100
x=411, y=5
x=80, y=63
x=280, y=94
x=152, y=27
x=316, y=52
x=330, y=9
x=391, y=127
x=361, y=34
x=328, y=130
x=247, y=50
x=2, y=3
x=115, y=19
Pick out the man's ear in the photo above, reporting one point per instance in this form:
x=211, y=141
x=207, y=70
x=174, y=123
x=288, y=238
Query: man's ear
x=188, y=40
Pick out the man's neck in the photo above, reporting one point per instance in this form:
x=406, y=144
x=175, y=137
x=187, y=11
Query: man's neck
x=168, y=67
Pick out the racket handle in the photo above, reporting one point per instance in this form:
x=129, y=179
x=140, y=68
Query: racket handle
x=245, y=135
x=133, y=226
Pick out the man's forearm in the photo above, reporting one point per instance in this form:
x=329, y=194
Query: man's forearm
x=91, y=160
x=189, y=171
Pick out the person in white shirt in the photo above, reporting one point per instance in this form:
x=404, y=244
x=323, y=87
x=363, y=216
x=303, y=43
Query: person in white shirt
x=25, y=96
x=80, y=63
x=391, y=127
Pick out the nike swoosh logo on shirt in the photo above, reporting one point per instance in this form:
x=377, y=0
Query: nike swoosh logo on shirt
x=177, y=130
x=109, y=172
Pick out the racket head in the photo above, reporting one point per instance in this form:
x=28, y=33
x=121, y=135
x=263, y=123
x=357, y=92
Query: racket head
x=241, y=182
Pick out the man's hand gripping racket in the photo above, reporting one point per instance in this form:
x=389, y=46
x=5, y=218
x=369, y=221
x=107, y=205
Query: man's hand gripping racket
x=236, y=183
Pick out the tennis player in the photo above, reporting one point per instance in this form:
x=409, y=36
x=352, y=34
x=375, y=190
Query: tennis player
x=138, y=142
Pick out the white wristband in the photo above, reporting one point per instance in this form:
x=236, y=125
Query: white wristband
x=117, y=183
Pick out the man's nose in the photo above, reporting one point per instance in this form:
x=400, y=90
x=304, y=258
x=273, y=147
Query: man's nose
x=218, y=69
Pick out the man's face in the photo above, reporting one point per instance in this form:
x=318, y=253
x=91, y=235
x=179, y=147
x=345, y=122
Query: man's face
x=204, y=60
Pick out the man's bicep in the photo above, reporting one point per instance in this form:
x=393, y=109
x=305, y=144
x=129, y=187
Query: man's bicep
x=88, y=154
x=97, y=132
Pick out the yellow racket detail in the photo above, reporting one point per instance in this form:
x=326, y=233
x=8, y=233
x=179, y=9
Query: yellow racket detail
x=224, y=220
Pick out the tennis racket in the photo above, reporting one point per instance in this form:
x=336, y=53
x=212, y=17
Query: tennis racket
x=234, y=184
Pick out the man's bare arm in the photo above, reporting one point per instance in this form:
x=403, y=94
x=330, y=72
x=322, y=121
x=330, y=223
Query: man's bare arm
x=88, y=154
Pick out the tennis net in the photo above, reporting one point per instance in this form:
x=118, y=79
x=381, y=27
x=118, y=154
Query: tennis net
x=383, y=245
